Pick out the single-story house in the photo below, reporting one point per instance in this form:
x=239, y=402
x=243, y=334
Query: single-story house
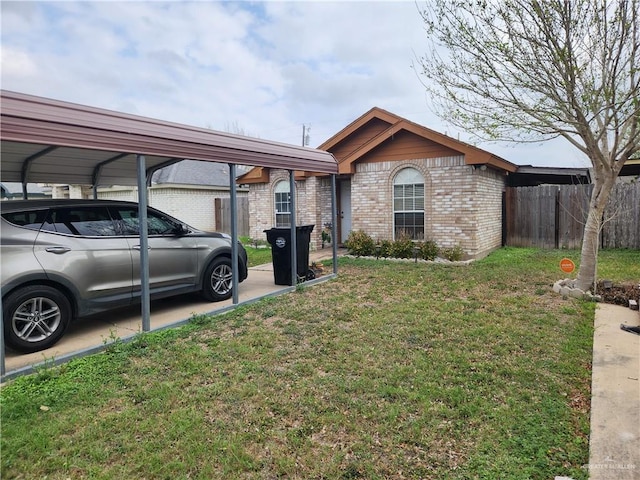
x=395, y=178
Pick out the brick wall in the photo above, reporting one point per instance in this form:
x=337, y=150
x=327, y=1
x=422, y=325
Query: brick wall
x=311, y=205
x=490, y=185
x=463, y=205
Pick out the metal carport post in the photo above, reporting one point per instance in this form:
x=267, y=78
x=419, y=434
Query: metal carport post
x=294, y=239
x=235, y=283
x=334, y=220
x=144, y=245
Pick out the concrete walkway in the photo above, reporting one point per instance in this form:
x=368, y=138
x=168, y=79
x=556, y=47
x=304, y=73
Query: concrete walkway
x=614, y=441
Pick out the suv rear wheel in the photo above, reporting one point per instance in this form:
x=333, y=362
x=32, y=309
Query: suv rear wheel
x=35, y=318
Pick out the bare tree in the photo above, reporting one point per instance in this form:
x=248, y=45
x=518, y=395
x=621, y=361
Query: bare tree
x=532, y=70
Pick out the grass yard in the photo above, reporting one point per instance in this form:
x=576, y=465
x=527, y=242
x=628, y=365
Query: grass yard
x=391, y=371
x=258, y=256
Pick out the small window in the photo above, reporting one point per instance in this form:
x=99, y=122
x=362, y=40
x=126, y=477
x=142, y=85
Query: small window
x=126, y=219
x=283, y=204
x=80, y=221
x=129, y=223
x=30, y=219
x=408, y=204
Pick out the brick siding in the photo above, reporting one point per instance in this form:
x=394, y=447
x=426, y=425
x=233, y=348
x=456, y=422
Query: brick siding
x=463, y=205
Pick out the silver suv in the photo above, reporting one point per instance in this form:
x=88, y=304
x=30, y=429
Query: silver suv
x=64, y=259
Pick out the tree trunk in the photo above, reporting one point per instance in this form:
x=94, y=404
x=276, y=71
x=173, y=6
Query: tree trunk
x=603, y=184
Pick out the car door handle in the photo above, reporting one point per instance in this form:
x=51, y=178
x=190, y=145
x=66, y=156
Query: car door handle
x=137, y=247
x=58, y=250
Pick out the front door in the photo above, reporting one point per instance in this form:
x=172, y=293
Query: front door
x=345, y=209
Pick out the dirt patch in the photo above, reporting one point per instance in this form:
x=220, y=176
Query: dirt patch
x=618, y=294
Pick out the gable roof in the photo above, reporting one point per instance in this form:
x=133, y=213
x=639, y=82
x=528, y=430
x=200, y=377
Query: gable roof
x=51, y=141
x=388, y=125
x=375, y=130
x=192, y=172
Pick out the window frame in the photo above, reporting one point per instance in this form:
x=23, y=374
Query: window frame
x=406, y=205
x=280, y=189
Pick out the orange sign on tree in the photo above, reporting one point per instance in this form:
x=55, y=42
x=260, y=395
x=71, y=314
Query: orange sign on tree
x=567, y=265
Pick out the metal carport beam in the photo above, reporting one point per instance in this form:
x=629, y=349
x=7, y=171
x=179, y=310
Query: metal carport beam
x=26, y=168
x=160, y=166
x=98, y=170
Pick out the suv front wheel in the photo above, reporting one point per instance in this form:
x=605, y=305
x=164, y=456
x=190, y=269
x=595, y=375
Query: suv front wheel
x=35, y=318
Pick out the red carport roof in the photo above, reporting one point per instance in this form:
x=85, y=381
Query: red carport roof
x=51, y=141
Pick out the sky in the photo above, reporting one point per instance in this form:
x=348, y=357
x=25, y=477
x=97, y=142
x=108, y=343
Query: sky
x=263, y=69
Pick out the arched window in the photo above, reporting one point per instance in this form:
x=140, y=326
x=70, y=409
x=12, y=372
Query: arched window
x=408, y=204
x=283, y=204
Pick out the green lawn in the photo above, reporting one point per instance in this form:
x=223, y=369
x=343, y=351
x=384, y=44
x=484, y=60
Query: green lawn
x=390, y=371
x=258, y=256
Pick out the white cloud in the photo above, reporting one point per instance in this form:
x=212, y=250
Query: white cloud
x=17, y=64
x=267, y=67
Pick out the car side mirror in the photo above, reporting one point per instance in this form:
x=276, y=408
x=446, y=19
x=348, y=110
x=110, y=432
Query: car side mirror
x=181, y=229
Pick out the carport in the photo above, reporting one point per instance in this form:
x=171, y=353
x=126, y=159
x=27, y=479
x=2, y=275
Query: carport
x=50, y=141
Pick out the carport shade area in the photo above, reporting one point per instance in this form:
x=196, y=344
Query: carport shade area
x=51, y=141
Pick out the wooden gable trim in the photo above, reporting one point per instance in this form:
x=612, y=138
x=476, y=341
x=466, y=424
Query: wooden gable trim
x=255, y=175
x=472, y=155
x=261, y=175
x=358, y=123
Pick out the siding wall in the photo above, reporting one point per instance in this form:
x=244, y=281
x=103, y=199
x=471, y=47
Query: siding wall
x=193, y=205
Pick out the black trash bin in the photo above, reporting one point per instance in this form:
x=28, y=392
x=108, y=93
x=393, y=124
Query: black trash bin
x=280, y=241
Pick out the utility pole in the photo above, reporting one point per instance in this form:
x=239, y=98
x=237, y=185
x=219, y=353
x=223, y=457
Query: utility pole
x=305, y=135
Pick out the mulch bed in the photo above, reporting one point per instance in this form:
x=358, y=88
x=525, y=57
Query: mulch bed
x=618, y=294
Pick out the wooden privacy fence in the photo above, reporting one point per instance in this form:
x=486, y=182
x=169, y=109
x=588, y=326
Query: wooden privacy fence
x=223, y=215
x=553, y=216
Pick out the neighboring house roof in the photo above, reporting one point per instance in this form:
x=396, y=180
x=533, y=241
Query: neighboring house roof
x=191, y=172
x=631, y=168
x=529, y=176
x=380, y=135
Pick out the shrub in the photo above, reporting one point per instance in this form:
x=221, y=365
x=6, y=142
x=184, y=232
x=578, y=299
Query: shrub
x=452, y=254
x=359, y=243
x=383, y=248
x=402, y=247
x=428, y=250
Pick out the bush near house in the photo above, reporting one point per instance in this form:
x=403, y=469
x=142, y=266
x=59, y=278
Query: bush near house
x=361, y=244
